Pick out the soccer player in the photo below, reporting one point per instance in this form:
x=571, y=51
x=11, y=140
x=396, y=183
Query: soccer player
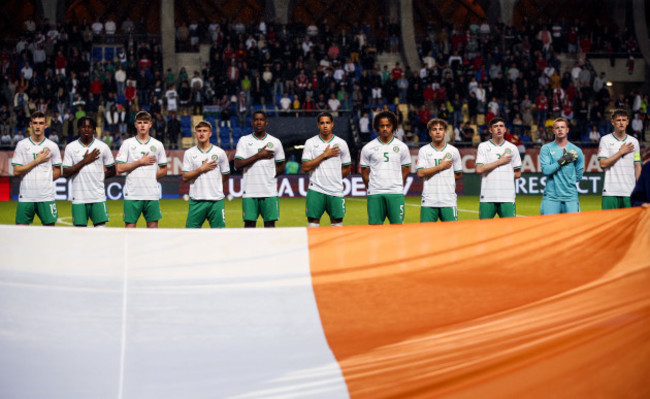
x=261, y=157
x=620, y=157
x=37, y=161
x=326, y=158
x=385, y=163
x=499, y=164
x=563, y=165
x=144, y=161
x=439, y=164
x=206, y=167
x=84, y=162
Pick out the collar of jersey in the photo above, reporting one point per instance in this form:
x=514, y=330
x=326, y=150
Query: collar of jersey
x=382, y=143
x=136, y=139
x=82, y=144
x=198, y=148
x=617, y=139
x=437, y=150
x=262, y=139
x=31, y=141
x=329, y=141
x=494, y=144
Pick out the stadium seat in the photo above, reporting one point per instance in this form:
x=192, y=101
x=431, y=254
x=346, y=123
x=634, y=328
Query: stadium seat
x=97, y=54
x=109, y=53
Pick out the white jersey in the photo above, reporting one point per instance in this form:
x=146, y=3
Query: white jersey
x=327, y=177
x=209, y=185
x=258, y=179
x=620, y=178
x=37, y=184
x=141, y=182
x=439, y=190
x=87, y=186
x=385, y=162
x=499, y=184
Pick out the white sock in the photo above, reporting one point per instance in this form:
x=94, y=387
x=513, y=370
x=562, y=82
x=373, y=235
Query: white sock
x=310, y=224
x=337, y=224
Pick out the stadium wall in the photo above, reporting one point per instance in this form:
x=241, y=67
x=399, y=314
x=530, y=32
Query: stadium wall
x=550, y=306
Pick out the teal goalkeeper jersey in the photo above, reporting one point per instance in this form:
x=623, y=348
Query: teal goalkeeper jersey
x=561, y=180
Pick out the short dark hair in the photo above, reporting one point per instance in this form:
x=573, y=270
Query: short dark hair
x=143, y=116
x=259, y=111
x=325, y=114
x=619, y=112
x=83, y=119
x=437, y=121
x=384, y=114
x=496, y=120
x=37, y=114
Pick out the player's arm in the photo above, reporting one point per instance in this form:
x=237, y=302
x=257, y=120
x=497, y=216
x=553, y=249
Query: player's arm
x=458, y=175
x=109, y=171
x=89, y=157
x=607, y=162
x=264, y=153
x=346, y=170
x=428, y=172
x=56, y=172
x=279, y=167
x=580, y=166
x=548, y=166
x=517, y=173
x=161, y=172
x=206, y=166
x=406, y=169
x=126, y=167
x=489, y=167
x=637, y=169
x=365, y=175
x=309, y=165
x=224, y=179
x=43, y=156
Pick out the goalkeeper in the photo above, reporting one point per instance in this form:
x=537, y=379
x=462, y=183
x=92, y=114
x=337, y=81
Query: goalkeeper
x=563, y=165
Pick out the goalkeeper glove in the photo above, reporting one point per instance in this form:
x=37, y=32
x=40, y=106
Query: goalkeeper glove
x=567, y=157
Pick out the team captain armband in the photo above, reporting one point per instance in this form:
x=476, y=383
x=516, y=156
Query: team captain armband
x=637, y=157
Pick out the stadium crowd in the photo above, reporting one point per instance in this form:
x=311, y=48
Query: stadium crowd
x=467, y=77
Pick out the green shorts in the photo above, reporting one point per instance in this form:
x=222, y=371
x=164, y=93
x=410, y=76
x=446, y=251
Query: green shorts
x=445, y=214
x=487, y=210
x=200, y=210
x=46, y=211
x=318, y=203
x=97, y=212
x=268, y=208
x=150, y=209
x=381, y=206
x=610, y=202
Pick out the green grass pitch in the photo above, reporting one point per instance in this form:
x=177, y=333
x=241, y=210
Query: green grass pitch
x=292, y=211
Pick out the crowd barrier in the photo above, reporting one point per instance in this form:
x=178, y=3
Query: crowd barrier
x=537, y=307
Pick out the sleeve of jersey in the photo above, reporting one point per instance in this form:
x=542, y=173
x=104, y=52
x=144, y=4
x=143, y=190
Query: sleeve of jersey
x=345, y=154
x=239, y=152
x=19, y=158
x=107, y=157
x=123, y=153
x=580, y=166
x=602, y=148
x=67, y=157
x=224, y=166
x=480, y=155
x=548, y=166
x=162, y=158
x=187, y=166
x=56, y=155
x=306, y=152
x=637, y=152
x=516, y=159
x=405, y=156
x=457, y=162
x=279, y=152
x=421, y=163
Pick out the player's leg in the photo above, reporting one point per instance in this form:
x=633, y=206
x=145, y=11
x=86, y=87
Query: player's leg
x=270, y=210
x=216, y=214
x=47, y=212
x=487, y=210
x=550, y=207
x=152, y=214
x=314, y=207
x=25, y=212
x=449, y=214
x=395, y=208
x=250, y=211
x=335, y=207
x=609, y=202
x=132, y=212
x=571, y=207
x=428, y=214
x=506, y=209
x=98, y=213
x=376, y=209
x=79, y=215
x=196, y=214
